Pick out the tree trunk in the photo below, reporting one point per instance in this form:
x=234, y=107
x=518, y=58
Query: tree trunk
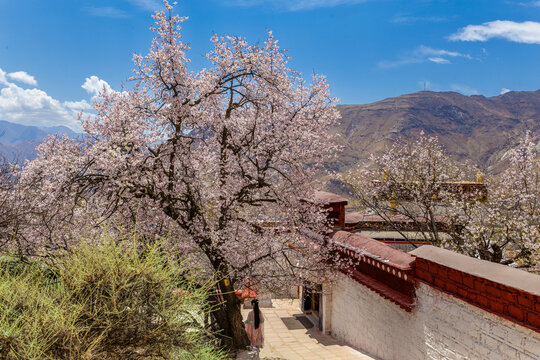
x=228, y=316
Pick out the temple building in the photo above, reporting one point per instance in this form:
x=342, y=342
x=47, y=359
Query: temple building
x=428, y=303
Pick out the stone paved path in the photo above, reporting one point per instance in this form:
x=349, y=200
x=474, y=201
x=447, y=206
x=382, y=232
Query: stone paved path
x=283, y=344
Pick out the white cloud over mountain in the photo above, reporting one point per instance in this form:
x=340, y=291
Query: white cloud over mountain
x=527, y=32
x=34, y=106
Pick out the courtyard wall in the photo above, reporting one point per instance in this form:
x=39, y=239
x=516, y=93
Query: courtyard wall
x=461, y=308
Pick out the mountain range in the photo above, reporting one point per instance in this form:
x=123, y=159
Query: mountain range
x=18, y=142
x=475, y=128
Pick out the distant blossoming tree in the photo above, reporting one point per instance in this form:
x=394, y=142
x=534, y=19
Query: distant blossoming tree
x=404, y=185
x=221, y=159
x=517, y=194
x=504, y=227
x=417, y=182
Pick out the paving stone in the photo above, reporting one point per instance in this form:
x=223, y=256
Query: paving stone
x=283, y=344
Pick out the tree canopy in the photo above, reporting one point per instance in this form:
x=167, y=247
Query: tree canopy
x=221, y=160
x=494, y=219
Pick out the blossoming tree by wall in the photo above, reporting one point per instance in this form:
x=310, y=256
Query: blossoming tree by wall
x=203, y=156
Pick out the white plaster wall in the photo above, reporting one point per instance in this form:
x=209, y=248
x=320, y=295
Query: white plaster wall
x=440, y=327
x=373, y=324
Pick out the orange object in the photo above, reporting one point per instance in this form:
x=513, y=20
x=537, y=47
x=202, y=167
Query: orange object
x=249, y=289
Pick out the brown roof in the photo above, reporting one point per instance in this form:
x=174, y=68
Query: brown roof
x=375, y=248
x=328, y=198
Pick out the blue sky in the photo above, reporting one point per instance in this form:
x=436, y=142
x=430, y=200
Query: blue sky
x=55, y=54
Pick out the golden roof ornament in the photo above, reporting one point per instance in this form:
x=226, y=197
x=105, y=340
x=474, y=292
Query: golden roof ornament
x=479, y=177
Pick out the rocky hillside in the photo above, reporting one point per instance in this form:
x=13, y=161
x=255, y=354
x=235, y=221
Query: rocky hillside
x=477, y=128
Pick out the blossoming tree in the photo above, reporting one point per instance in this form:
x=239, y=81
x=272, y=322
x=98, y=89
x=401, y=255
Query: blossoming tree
x=404, y=185
x=204, y=157
x=417, y=182
x=505, y=228
x=518, y=201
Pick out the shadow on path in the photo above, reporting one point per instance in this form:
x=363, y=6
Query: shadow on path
x=289, y=337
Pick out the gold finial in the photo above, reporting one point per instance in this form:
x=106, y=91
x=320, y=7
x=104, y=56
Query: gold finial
x=479, y=177
x=392, y=204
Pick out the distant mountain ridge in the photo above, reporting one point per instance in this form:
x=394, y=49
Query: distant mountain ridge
x=12, y=133
x=18, y=142
x=480, y=129
x=475, y=128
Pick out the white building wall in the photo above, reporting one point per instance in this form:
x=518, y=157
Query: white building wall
x=439, y=327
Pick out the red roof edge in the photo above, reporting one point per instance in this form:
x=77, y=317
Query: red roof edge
x=375, y=249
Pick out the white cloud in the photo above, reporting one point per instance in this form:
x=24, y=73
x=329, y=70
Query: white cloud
x=77, y=105
x=439, y=60
x=504, y=91
x=107, y=11
x=426, y=50
x=424, y=54
x=23, y=76
x=150, y=5
x=532, y=3
x=464, y=89
x=36, y=107
x=3, y=79
x=407, y=19
x=295, y=5
x=94, y=86
x=527, y=32
x=33, y=107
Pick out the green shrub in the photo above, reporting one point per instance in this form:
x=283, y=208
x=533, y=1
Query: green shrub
x=105, y=301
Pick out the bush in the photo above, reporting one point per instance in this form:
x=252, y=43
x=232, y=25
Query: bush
x=105, y=301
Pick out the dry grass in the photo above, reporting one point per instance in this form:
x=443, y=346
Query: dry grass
x=110, y=301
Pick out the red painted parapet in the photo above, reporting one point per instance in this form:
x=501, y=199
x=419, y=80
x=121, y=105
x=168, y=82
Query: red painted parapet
x=380, y=267
x=510, y=293
x=502, y=290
